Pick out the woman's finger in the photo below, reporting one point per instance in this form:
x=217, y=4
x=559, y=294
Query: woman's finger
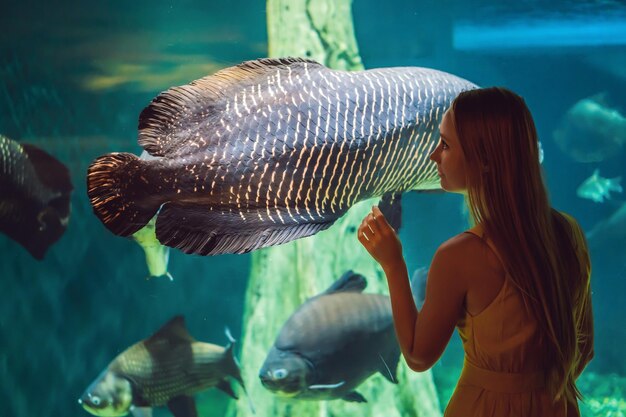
x=372, y=224
x=379, y=218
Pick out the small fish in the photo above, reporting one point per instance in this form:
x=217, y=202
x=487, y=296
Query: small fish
x=591, y=130
x=272, y=150
x=35, y=190
x=418, y=285
x=596, y=188
x=166, y=369
x=332, y=343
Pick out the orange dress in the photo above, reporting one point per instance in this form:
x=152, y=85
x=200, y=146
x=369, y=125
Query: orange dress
x=502, y=373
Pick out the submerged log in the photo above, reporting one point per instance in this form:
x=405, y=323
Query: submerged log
x=283, y=277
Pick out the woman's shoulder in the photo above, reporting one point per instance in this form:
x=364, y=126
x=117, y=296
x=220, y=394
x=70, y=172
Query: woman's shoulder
x=463, y=243
x=470, y=252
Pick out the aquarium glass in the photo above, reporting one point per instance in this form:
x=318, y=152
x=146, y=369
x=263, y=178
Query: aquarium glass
x=75, y=76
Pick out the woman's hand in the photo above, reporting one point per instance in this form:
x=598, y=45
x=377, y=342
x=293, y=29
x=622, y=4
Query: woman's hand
x=380, y=240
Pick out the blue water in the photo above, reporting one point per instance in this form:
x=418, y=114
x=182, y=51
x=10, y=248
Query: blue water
x=75, y=76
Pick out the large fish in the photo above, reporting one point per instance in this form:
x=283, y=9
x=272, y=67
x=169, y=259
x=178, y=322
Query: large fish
x=35, y=191
x=166, y=369
x=272, y=150
x=332, y=343
x=591, y=130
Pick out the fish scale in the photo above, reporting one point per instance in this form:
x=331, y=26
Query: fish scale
x=249, y=156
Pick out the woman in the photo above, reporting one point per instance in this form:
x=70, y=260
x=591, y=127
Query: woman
x=517, y=285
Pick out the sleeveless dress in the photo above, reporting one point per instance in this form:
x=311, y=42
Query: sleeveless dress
x=502, y=373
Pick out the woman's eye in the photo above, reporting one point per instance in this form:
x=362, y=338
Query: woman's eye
x=444, y=145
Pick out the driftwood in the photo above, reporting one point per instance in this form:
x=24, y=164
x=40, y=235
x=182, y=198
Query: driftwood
x=283, y=277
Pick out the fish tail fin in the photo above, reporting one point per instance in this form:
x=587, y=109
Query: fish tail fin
x=117, y=198
x=615, y=184
x=233, y=369
x=230, y=362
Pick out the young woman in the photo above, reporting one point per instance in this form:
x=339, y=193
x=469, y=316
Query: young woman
x=516, y=285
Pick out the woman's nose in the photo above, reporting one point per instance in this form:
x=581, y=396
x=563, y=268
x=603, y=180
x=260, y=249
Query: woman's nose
x=433, y=156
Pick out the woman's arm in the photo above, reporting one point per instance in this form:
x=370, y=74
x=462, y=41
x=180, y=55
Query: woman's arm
x=422, y=335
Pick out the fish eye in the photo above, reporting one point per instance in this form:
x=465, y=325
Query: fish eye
x=280, y=374
x=95, y=401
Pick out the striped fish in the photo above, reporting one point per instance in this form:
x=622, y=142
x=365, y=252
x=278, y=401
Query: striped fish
x=168, y=368
x=35, y=191
x=272, y=150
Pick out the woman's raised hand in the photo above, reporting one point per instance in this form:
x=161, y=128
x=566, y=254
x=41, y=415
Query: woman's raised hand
x=380, y=240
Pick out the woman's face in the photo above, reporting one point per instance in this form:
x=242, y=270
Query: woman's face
x=449, y=157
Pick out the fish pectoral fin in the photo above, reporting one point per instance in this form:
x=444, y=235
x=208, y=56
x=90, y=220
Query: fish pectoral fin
x=225, y=386
x=193, y=229
x=141, y=411
x=391, y=207
x=389, y=366
x=183, y=406
x=327, y=386
x=354, y=397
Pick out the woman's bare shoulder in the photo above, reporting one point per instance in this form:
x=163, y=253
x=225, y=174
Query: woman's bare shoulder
x=462, y=242
x=467, y=253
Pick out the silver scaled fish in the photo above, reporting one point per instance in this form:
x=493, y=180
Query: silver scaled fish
x=272, y=150
x=166, y=369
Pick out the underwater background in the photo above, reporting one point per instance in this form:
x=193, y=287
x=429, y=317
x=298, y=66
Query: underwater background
x=74, y=77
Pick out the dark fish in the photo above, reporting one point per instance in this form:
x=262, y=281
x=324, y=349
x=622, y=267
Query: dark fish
x=272, y=150
x=166, y=369
x=332, y=343
x=35, y=191
x=418, y=285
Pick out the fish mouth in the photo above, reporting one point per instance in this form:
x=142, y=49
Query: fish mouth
x=280, y=387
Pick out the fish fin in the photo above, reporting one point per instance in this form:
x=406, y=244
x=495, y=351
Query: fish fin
x=183, y=406
x=174, y=331
x=159, y=121
x=349, y=281
x=201, y=231
x=34, y=225
x=430, y=191
x=141, y=411
x=391, y=207
x=224, y=386
x=51, y=172
x=231, y=365
x=389, y=366
x=233, y=370
x=615, y=184
x=114, y=194
x=354, y=397
x=418, y=285
x=35, y=230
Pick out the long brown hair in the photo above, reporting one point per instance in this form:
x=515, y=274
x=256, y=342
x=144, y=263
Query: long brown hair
x=507, y=196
